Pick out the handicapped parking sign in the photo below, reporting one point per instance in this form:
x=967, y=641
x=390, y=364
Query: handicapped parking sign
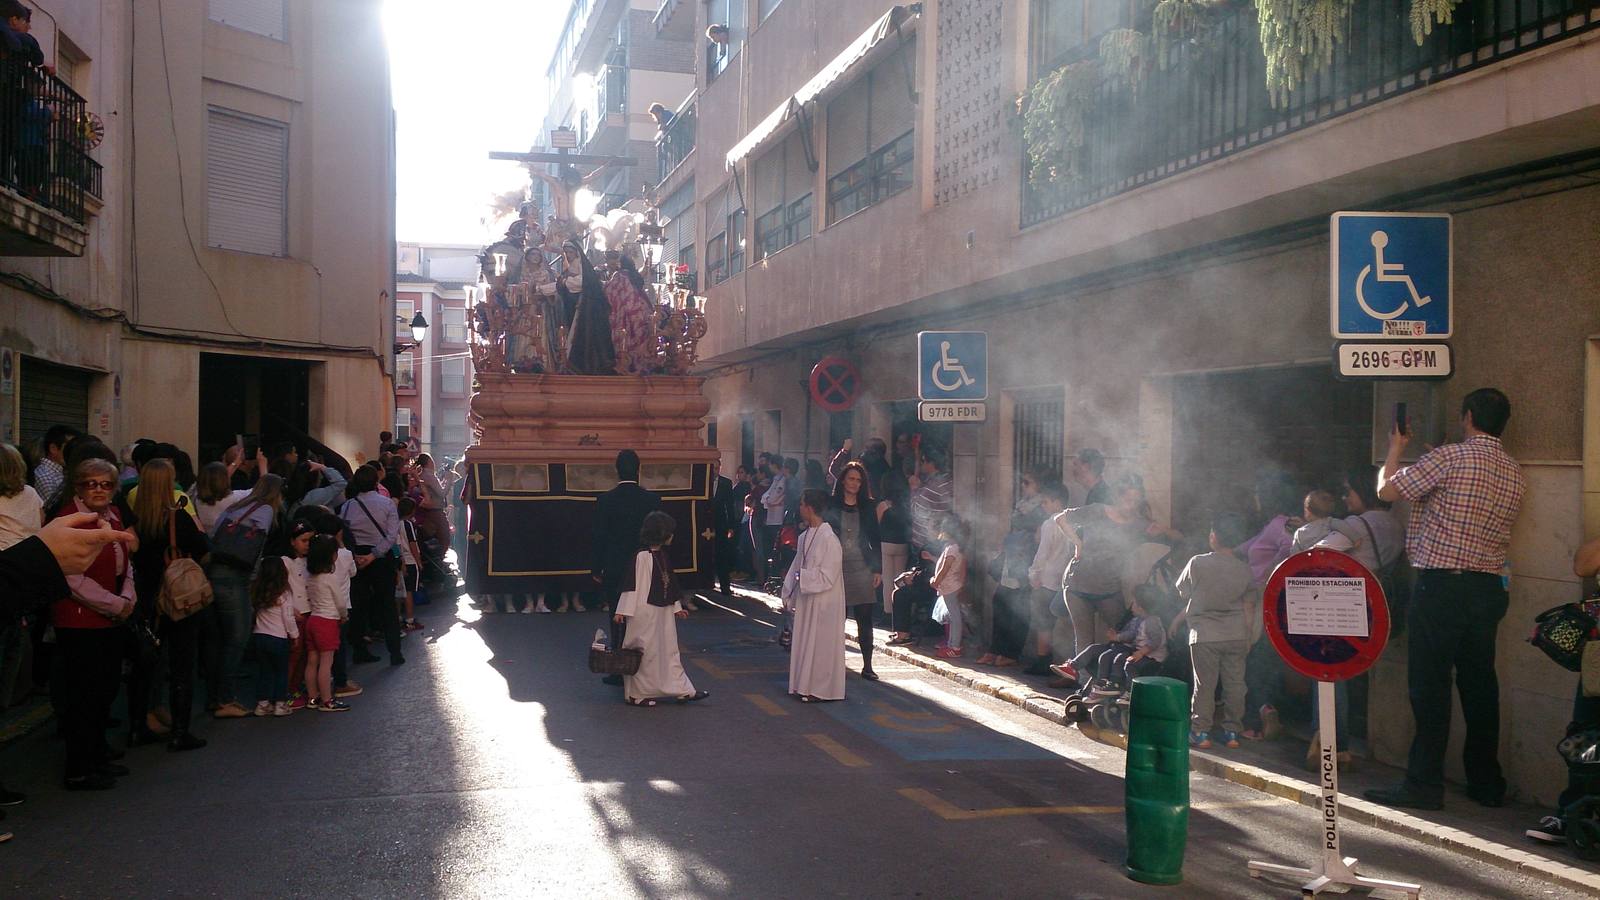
x=953, y=365
x=1391, y=275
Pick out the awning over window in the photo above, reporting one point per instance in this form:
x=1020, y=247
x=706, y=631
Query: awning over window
x=898, y=19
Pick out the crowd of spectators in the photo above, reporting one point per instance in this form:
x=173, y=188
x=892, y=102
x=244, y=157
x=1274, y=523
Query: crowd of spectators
x=256, y=582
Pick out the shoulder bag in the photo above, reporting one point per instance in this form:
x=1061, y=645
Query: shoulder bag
x=239, y=542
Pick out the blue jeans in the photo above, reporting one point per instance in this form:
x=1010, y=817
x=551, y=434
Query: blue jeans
x=236, y=620
x=272, y=667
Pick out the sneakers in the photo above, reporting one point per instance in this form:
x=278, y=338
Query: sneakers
x=264, y=708
x=1230, y=739
x=1550, y=830
x=299, y=701
x=1200, y=740
x=348, y=689
x=1105, y=690
x=231, y=710
x=281, y=709
x=314, y=703
x=948, y=653
x=335, y=706
x=1067, y=671
x=412, y=625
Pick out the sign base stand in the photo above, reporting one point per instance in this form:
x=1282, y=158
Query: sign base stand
x=1334, y=871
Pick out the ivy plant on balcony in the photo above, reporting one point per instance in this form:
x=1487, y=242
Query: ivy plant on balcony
x=1296, y=36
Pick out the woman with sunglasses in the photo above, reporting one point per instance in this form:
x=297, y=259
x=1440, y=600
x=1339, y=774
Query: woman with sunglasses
x=88, y=635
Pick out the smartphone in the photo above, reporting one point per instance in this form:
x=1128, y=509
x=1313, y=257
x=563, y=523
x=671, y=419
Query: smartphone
x=252, y=445
x=1400, y=423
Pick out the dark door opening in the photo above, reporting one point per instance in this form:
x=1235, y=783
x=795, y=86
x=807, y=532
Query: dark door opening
x=1230, y=427
x=252, y=395
x=747, y=442
x=841, y=425
x=905, y=426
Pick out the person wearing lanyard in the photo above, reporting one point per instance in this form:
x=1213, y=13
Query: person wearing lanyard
x=1464, y=498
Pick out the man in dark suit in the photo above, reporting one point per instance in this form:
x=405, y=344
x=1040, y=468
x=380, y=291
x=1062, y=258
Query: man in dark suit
x=727, y=506
x=618, y=516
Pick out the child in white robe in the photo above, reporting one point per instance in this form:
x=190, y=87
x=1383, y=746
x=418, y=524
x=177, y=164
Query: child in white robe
x=651, y=605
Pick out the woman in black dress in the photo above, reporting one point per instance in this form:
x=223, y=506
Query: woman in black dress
x=855, y=521
x=583, y=298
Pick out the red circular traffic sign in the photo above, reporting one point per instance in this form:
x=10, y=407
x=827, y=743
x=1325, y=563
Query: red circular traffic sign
x=835, y=384
x=1326, y=615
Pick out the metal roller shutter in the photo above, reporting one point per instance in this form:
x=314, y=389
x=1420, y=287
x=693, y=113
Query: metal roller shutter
x=52, y=395
x=769, y=181
x=847, y=128
x=893, y=113
x=679, y=211
x=247, y=176
x=263, y=17
x=798, y=180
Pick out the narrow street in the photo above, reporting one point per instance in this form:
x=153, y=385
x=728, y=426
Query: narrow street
x=493, y=764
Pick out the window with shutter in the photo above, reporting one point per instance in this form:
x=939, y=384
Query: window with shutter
x=453, y=376
x=783, y=196
x=717, y=242
x=871, y=136
x=263, y=17
x=454, y=321
x=247, y=175
x=678, y=228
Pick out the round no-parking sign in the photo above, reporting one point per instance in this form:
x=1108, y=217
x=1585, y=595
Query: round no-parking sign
x=835, y=384
x=1326, y=615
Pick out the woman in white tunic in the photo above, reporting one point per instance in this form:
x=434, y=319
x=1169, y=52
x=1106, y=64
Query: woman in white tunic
x=814, y=589
x=651, y=605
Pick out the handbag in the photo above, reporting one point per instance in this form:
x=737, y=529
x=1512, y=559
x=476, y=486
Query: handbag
x=1562, y=633
x=238, y=542
x=185, y=589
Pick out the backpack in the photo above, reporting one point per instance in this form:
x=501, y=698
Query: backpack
x=184, y=588
x=238, y=542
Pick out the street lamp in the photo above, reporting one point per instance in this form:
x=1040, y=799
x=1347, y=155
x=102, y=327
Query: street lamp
x=419, y=330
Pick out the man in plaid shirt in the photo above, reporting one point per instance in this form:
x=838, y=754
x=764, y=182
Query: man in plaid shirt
x=1464, y=498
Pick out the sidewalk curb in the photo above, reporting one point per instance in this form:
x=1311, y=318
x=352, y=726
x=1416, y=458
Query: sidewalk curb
x=1351, y=808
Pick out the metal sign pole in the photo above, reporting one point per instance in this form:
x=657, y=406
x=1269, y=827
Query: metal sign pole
x=1333, y=869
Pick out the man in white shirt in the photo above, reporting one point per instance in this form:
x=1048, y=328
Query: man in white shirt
x=1046, y=572
x=774, y=501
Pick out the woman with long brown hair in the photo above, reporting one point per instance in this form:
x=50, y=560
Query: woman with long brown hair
x=165, y=533
x=856, y=522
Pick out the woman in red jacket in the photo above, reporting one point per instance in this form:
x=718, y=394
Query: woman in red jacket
x=89, y=635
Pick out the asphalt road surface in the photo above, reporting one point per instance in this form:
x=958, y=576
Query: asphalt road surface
x=494, y=765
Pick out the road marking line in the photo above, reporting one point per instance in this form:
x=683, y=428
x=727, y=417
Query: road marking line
x=766, y=705
x=952, y=813
x=838, y=751
x=712, y=669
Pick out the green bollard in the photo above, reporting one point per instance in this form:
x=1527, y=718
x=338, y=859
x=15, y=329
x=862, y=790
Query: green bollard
x=1158, y=780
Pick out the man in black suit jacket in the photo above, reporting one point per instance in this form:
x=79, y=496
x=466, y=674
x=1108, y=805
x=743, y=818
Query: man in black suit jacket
x=727, y=506
x=618, y=516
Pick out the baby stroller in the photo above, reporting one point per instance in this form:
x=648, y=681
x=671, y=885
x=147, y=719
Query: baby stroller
x=1151, y=576
x=1581, y=750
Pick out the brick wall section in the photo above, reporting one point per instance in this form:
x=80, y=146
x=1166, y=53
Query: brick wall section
x=646, y=51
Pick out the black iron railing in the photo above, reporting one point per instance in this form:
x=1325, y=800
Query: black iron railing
x=676, y=140
x=44, y=144
x=1210, y=100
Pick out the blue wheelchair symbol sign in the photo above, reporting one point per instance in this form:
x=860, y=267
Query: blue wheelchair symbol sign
x=1391, y=275
x=953, y=365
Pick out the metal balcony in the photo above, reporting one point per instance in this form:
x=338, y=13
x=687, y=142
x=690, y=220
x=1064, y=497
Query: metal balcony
x=1210, y=99
x=45, y=169
x=675, y=20
x=675, y=142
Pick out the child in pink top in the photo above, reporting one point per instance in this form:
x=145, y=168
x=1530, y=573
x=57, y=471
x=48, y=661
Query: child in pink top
x=949, y=577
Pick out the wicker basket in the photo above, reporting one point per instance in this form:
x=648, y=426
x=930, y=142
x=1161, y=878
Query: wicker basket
x=615, y=662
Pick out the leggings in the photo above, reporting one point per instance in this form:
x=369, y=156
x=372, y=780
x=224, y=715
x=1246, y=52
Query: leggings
x=862, y=613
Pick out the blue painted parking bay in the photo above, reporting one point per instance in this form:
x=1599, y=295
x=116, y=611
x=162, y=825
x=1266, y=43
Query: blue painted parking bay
x=919, y=732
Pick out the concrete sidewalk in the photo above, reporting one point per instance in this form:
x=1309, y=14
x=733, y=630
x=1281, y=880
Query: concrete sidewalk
x=1492, y=836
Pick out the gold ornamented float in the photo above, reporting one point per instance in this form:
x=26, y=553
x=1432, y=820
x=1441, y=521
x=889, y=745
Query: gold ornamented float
x=554, y=404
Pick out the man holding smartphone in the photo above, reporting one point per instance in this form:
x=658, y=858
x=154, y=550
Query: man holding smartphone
x=1464, y=498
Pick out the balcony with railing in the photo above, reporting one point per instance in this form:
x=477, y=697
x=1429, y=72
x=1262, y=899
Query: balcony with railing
x=1206, y=96
x=676, y=140
x=45, y=169
x=610, y=114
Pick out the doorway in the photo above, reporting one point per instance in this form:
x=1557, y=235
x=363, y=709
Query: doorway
x=245, y=395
